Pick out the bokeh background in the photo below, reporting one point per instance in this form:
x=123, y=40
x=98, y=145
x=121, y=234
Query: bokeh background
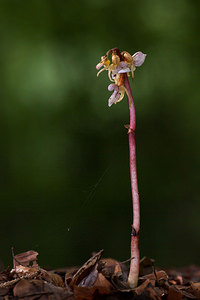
x=64, y=169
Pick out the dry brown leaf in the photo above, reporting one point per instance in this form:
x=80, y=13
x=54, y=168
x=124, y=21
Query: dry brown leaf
x=110, y=267
x=52, y=278
x=146, y=265
x=85, y=270
x=141, y=288
x=159, y=275
x=90, y=279
x=180, y=292
x=25, y=259
x=195, y=289
x=27, y=288
x=174, y=294
x=146, y=289
x=85, y=293
x=101, y=287
x=32, y=288
x=154, y=293
x=116, y=272
x=3, y=291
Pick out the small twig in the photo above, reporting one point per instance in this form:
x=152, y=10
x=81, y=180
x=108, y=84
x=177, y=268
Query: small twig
x=11, y=282
x=154, y=271
x=124, y=262
x=121, y=262
x=13, y=256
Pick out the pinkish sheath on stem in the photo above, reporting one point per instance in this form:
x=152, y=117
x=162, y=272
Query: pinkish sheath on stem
x=135, y=255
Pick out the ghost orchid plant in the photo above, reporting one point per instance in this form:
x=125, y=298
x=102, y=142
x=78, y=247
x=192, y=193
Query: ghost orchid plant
x=121, y=66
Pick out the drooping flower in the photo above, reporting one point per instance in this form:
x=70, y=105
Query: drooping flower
x=121, y=63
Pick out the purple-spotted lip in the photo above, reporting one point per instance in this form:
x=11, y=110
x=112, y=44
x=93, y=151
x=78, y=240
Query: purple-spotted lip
x=122, y=68
x=115, y=95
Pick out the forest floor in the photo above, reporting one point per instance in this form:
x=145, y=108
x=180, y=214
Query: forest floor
x=98, y=278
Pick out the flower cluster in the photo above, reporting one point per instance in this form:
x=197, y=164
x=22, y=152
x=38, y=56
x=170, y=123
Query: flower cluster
x=122, y=63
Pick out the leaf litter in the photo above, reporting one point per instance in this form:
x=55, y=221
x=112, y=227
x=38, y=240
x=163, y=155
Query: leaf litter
x=97, y=278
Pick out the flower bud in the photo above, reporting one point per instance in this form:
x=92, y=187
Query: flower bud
x=115, y=59
x=99, y=65
x=111, y=87
x=128, y=57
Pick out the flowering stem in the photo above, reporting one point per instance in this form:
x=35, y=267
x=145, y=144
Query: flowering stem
x=135, y=255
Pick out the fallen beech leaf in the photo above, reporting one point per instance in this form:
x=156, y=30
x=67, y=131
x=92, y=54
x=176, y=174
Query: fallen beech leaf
x=33, y=288
x=116, y=272
x=88, y=266
x=109, y=267
x=180, y=292
x=154, y=293
x=120, y=285
x=146, y=265
x=90, y=279
x=141, y=288
x=174, y=294
x=85, y=293
x=101, y=287
x=195, y=289
x=26, y=288
x=3, y=291
x=25, y=259
x=52, y=278
x=159, y=275
x=69, y=275
x=147, y=291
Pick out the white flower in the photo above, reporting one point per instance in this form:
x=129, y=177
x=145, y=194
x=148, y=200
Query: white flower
x=122, y=64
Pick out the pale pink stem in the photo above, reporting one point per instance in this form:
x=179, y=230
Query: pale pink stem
x=135, y=255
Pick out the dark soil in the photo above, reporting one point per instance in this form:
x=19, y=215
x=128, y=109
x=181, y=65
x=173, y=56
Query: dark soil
x=98, y=278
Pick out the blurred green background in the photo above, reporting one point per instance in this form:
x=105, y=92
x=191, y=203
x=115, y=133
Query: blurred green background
x=65, y=188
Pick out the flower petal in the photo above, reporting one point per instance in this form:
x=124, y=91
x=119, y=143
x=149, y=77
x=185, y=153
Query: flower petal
x=114, y=97
x=124, y=70
x=111, y=87
x=139, y=58
x=99, y=65
x=122, y=67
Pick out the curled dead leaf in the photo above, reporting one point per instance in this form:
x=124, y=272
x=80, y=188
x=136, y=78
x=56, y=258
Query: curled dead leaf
x=85, y=270
x=25, y=259
x=90, y=279
x=146, y=265
x=101, y=287
x=109, y=267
